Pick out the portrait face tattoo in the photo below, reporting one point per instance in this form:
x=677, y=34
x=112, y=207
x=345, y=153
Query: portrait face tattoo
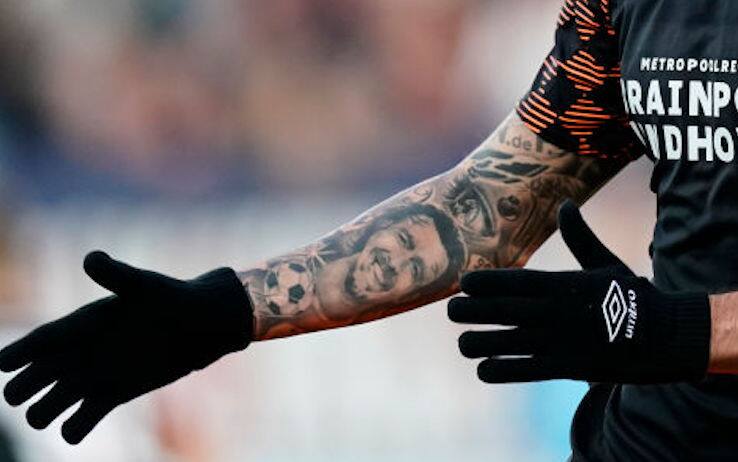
x=396, y=259
x=393, y=258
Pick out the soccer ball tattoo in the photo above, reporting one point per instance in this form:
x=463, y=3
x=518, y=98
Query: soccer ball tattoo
x=289, y=288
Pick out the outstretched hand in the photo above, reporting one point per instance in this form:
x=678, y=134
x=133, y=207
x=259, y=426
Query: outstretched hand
x=153, y=331
x=601, y=324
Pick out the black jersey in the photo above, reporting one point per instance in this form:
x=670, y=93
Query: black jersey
x=656, y=77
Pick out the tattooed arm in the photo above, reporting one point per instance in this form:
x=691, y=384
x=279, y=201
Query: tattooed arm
x=493, y=210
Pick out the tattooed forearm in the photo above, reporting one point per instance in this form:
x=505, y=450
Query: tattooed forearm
x=392, y=261
x=492, y=210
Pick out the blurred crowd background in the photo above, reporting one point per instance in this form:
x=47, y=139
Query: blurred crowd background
x=187, y=134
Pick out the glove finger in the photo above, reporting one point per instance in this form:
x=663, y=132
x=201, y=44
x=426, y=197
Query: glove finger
x=26, y=349
x=589, y=251
x=113, y=275
x=61, y=397
x=28, y=382
x=503, y=342
x=508, y=311
x=517, y=370
x=81, y=423
x=60, y=335
x=520, y=283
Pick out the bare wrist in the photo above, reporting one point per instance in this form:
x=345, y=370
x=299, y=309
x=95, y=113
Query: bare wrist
x=724, y=338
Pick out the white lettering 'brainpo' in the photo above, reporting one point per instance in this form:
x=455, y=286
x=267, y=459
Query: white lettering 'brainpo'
x=700, y=97
x=723, y=95
x=675, y=109
x=635, y=93
x=659, y=99
x=654, y=101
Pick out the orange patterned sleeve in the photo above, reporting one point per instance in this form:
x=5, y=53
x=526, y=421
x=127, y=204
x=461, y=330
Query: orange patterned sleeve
x=575, y=102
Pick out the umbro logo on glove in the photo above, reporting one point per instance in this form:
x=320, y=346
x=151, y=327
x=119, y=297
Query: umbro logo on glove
x=615, y=309
x=600, y=324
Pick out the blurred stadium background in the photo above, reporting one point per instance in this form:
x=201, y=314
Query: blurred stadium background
x=186, y=134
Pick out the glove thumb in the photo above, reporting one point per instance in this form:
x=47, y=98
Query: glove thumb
x=113, y=275
x=586, y=247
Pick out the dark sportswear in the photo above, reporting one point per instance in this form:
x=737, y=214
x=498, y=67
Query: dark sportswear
x=656, y=77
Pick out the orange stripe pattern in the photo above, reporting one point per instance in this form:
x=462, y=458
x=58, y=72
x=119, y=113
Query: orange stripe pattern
x=575, y=102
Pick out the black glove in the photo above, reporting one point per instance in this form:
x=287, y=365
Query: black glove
x=602, y=324
x=154, y=331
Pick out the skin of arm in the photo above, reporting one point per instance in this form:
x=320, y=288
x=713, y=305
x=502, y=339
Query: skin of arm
x=493, y=210
x=724, y=338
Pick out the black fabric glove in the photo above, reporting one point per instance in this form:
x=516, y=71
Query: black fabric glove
x=602, y=324
x=153, y=331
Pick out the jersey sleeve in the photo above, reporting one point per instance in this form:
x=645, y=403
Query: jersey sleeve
x=575, y=102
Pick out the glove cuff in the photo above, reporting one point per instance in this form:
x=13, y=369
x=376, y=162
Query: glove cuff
x=689, y=344
x=230, y=313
